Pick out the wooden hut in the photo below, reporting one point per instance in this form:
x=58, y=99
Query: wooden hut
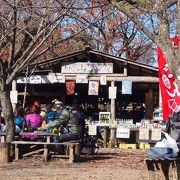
x=46, y=80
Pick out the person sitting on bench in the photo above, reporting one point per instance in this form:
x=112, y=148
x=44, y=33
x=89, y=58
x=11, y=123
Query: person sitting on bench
x=68, y=122
x=68, y=125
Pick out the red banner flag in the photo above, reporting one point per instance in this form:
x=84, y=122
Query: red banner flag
x=70, y=87
x=170, y=92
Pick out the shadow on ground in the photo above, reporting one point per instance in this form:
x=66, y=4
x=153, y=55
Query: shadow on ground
x=96, y=157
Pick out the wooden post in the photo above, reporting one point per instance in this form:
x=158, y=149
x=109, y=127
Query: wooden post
x=45, y=152
x=4, y=152
x=71, y=153
x=105, y=131
x=16, y=152
x=112, y=103
x=112, y=137
x=77, y=150
x=149, y=101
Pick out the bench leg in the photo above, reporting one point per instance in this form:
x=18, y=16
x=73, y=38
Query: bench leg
x=174, y=170
x=71, y=153
x=158, y=170
x=165, y=169
x=177, y=169
x=77, y=151
x=151, y=169
x=16, y=152
x=45, y=152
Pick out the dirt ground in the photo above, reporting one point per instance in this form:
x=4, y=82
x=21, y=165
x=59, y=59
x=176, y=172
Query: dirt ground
x=107, y=164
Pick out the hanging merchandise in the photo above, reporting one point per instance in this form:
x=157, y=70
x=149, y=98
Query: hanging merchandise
x=70, y=87
x=93, y=88
x=127, y=87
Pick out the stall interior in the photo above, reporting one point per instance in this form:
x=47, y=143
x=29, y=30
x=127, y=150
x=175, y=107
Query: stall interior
x=127, y=106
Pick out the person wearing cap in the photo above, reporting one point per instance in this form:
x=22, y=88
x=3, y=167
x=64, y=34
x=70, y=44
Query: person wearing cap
x=43, y=114
x=67, y=119
x=53, y=114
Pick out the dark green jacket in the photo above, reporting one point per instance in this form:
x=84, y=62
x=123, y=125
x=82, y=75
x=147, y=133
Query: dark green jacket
x=68, y=119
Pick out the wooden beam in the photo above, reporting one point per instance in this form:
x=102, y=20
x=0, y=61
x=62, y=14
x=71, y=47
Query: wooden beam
x=120, y=78
x=43, y=94
x=92, y=74
x=110, y=77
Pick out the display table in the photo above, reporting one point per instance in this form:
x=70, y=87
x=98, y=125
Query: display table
x=112, y=139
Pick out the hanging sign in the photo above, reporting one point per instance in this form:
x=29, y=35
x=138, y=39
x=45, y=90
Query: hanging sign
x=91, y=68
x=14, y=96
x=126, y=87
x=81, y=79
x=21, y=80
x=70, y=87
x=35, y=79
x=59, y=78
x=144, y=134
x=92, y=130
x=103, y=80
x=122, y=133
x=93, y=88
x=112, y=92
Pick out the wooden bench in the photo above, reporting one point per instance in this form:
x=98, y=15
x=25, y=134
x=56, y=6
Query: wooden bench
x=159, y=168
x=72, y=146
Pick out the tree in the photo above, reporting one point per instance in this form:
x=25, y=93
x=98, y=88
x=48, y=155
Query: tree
x=27, y=31
x=116, y=34
x=164, y=13
x=113, y=33
x=24, y=29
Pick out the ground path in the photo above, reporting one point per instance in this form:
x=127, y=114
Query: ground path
x=108, y=164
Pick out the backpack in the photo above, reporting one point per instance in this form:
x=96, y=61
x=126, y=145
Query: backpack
x=173, y=127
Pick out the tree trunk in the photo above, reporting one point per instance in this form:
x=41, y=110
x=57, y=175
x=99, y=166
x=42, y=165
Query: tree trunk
x=8, y=115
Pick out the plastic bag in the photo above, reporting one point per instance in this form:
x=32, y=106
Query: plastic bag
x=161, y=144
x=171, y=143
x=160, y=152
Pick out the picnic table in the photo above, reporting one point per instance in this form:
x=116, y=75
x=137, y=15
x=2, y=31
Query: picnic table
x=41, y=134
x=72, y=146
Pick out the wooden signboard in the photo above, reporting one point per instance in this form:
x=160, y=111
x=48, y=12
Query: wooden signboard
x=21, y=80
x=144, y=134
x=156, y=134
x=81, y=79
x=82, y=67
x=59, y=79
x=123, y=133
x=35, y=79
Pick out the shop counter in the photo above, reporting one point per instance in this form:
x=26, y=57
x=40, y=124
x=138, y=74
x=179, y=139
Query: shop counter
x=110, y=136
